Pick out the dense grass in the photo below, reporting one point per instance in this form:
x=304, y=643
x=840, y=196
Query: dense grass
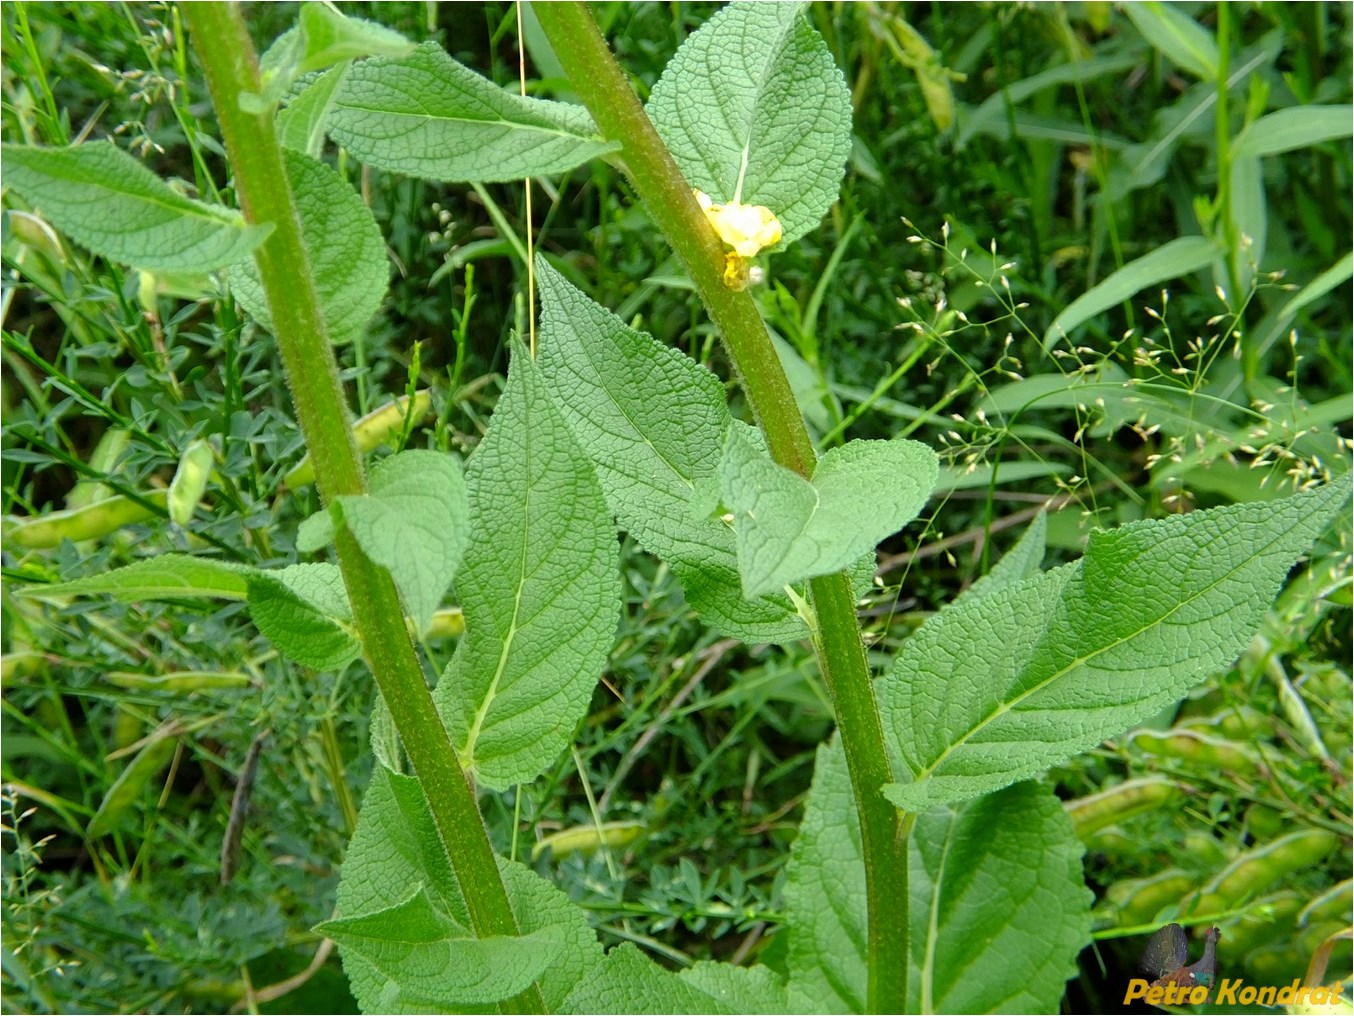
x=919, y=307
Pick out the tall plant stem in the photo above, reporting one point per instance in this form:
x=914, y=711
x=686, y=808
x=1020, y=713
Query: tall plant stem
x=227, y=54
x=599, y=81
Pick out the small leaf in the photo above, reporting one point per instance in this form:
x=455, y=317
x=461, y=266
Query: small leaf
x=315, y=532
x=755, y=112
x=437, y=962
x=395, y=852
x=331, y=37
x=109, y=202
x=167, y=577
x=1297, y=127
x=426, y=115
x=343, y=243
x=1176, y=36
x=1181, y=256
x=540, y=590
x=303, y=610
x=656, y=449
x=999, y=687
x=413, y=523
x=788, y=529
x=995, y=886
x=302, y=123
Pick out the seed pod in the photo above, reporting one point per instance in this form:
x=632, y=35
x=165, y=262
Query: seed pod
x=1205, y=849
x=43, y=532
x=239, y=809
x=1132, y=797
x=128, y=786
x=1334, y=904
x=190, y=481
x=20, y=664
x=128, y=728
x=586, y=839
x=181, y=681
x=104, y=459
x=1258, y=869
x=448, y=622
x=1191, y=746
x=1138, y=901
x=1265, y=921
x=369, y=433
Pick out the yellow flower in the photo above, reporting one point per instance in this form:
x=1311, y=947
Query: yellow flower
x=745, y=228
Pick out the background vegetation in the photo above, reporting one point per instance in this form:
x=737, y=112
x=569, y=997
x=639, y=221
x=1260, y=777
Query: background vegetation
x=918, y=308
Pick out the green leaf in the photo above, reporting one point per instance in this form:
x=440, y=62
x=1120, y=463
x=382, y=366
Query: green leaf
x=343, y=243
x=413, y=523
x=303, y=610
x=754, y=110
x=1288, y=129
x=436, y=961
x=395, y=852
x=627, y=981
x=999, y=687
x=788, y=529
x=302, y=123
x=540, y=590
x=1181, y=256
x=655, y=444
x=109, y=202
x=739, y=989
x=331, y=37
x=1023, y=561
x=167, y=577
x=995, y=888
x=426, y=115
x=1177, y=37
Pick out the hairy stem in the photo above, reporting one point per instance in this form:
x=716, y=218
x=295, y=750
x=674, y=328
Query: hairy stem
x=228, y=58
x=599, y=81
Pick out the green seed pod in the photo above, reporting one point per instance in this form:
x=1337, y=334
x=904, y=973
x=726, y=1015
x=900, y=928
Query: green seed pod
x=1265, y=921
x=1258, y=869
x=1334, y=904
x=1278, y=963
x=14, y=666
x=369, y=433
x=190, y=481
x=103, y=459
x=446, y=623
x=127, y=787
x=128, y=728
x=1264, y=822
x=1205, y=849
x=1191, y=746
x=1132, y=797
x=182, y=681
x=587, y=839
x=43, y=532
x=1239, y=724
x=1139, y=900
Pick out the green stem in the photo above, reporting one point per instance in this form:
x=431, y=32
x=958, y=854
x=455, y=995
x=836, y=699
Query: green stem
x=600, y=82
x=228, y=59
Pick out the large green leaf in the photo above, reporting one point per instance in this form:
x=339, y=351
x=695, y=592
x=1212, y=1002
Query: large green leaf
x=167, y=577
x=343, y=244
x=998, y=910
x=109, y=202
x=413, y=522
x=539, y=587
x=754, y=110
x=652, y=420
x=426, y=115
x=788, y=529
x=395, y=854
x=999, y=687
x=1177, y=36
x=1297, y=127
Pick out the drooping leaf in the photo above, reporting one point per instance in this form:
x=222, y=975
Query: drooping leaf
x=343, y=244
x=1177, y=36
x=303, y=610
x=109, y=202
x=999, y=687
x=167, y=577
x=652, y=421
x=302, y=123
x=413, y=522
x=788, y=529
x=539, y=587
x=998, y=910
x=437, y=961
x=1181, y=256
x=428, y=116
x=755, y=111
x=395, y=852
x=1296, y=127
